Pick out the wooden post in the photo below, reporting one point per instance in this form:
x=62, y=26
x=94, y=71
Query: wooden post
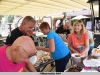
x=10, y=27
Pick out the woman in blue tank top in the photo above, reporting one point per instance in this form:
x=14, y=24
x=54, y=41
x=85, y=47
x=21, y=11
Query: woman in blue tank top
x=56, y=46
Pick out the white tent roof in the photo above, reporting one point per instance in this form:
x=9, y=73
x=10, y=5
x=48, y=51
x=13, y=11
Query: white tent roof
x=41, y=7
x=79, y=17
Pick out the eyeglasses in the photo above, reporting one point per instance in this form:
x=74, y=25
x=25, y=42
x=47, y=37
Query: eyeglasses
x=67, y=26
x=24, y=54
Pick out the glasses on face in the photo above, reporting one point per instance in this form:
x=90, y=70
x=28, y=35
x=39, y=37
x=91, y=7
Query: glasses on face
x=24, y=54
x=67, y=26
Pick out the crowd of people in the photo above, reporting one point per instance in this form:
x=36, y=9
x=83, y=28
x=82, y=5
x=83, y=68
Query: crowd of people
x=14, y=56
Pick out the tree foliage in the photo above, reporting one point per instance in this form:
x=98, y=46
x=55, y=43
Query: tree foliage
x=10, y=18
x=1, y=16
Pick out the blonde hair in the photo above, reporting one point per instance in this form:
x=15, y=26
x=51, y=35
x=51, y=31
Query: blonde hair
x=80, y=22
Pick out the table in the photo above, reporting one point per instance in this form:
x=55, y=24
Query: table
x=92, y=69
x=43, y=65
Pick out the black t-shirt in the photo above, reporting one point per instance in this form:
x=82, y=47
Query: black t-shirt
x=60, y=30
x=14, y=35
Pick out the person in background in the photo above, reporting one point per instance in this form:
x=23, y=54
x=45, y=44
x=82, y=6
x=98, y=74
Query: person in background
x=78, y=40
x=25, y=29
x=98, y=26
x=13, y=58
x=63, y=31
x=55, y=45
x=91, y=42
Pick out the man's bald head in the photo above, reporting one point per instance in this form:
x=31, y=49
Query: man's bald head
x=26, y=43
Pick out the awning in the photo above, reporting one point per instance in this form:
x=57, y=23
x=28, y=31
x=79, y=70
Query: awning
x=40, y=7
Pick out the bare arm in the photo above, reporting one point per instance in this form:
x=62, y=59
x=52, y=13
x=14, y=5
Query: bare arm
x=51, y=46
x=91, y=41
x=29, y=67
x=86, y=46
x=64, y=39
x=71, y=49
x=26, y=70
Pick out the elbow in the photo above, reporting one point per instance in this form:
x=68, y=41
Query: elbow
x=87, y=48
x=52, y=50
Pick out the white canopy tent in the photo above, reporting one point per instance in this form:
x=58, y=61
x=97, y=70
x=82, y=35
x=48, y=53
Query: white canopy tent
x=41, y=8
x=79, y=17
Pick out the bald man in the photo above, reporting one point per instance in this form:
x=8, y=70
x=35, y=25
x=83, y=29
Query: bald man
x=63, y=31
x=24, y=29
x=15, y=57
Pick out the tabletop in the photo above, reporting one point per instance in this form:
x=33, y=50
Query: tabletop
x=43, y=65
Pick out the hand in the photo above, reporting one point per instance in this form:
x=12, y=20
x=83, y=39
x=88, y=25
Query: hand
x=82, y=52
x=38, y=47
x=75, y=51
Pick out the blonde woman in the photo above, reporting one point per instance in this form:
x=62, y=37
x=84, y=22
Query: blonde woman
x=78, y=39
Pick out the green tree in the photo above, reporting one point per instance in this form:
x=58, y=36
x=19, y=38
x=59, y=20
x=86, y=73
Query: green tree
x=10, y=18
x=1, y=16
